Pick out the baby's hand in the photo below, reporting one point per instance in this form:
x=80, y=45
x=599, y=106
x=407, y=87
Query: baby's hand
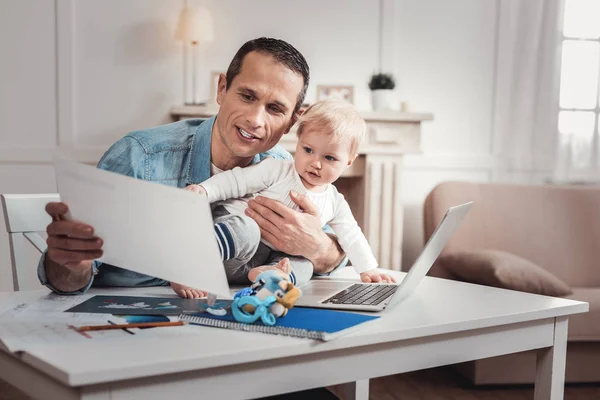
x=196, y=189
x=187, y=292
x=376, y=276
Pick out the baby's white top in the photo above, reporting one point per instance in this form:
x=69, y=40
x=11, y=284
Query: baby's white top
x=274, y=178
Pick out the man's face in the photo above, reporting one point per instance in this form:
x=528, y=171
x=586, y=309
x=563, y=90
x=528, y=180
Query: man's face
x=258, y=107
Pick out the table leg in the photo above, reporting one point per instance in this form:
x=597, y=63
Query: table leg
x=551, y=361
x=358, y=390
x=95, y=394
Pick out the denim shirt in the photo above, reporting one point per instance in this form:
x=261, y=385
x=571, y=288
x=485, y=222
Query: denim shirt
x=176, y=154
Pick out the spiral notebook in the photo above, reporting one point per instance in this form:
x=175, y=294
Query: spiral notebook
x=310, y=323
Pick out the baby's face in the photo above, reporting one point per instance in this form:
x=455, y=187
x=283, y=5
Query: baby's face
x=319, y=160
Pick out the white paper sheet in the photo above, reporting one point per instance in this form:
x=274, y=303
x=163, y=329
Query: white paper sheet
x=149, y=228
x=48, y=304
x=27, y=333
x=26, y=325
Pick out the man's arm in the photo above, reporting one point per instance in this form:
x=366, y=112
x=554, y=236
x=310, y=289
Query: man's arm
x=68, y=280
x=296, y=233
x=329, y=257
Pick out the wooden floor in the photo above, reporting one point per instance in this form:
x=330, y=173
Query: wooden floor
x=445, y=384
x=431, y=384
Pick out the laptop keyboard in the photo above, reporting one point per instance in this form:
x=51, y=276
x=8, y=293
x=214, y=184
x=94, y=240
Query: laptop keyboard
x=362, y=294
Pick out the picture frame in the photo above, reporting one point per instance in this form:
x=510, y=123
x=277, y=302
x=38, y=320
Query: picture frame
x=214, y=85
x=344, y=92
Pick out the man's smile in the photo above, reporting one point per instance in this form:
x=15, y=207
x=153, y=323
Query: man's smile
x=247, y=135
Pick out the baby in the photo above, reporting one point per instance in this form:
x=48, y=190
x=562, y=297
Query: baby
x=329, y=133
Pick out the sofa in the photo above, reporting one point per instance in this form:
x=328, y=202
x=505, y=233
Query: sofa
x=555, y=230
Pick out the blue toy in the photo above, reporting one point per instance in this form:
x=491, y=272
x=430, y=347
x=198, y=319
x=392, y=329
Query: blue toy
x=269, y=297
x=244, y=292
x=259, y=309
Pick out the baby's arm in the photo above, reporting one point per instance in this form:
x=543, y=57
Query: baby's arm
x=238, y=182
x=354, y=243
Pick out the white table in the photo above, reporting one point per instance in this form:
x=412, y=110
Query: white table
x=442, y=322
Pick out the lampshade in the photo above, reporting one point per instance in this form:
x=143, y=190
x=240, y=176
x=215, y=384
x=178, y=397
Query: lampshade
x=195, y=25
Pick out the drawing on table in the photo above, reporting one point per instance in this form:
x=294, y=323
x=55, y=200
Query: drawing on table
x=135, y=305
x=162, y=306
x=132, y=319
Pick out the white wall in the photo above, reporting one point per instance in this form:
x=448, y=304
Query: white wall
x=111, y=66
x=128, y=67
x=445, y=64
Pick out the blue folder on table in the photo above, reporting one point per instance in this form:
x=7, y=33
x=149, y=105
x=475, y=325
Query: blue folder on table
x=311, y=323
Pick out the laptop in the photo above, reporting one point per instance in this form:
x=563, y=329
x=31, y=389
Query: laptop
x=355, y=296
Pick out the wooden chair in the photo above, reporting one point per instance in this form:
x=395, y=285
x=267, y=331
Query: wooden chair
x=25, y=217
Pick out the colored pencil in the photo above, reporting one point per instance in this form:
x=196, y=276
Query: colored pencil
x=125, y=329
x=133, y=325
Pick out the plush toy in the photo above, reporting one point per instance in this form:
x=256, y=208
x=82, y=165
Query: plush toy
x=272, y=293
x=249, y=309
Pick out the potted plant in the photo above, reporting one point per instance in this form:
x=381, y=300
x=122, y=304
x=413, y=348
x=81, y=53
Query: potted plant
x=383, y=96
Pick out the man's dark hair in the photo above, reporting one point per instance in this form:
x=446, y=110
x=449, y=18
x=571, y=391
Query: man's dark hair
x=281, y=51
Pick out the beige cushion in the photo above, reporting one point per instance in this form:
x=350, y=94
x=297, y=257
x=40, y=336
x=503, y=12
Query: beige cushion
x=504, y=270
x=554, y=226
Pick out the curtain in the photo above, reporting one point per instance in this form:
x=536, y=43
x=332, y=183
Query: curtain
x=525, y=127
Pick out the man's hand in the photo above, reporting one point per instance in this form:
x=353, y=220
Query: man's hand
x=296, y=233
x=71, y=248
x=376, y=276
x=70, y=242
x=196, y=189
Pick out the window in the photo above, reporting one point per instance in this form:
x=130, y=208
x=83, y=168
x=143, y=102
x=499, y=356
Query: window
x=578, y=122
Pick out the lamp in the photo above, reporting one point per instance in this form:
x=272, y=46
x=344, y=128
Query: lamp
x=194, y=27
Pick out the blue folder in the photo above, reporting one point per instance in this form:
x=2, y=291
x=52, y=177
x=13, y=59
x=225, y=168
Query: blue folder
x=312, y=323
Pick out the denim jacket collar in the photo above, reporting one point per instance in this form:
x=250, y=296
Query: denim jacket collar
x=199, y=166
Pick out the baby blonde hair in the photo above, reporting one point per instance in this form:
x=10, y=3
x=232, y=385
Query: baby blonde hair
x=335, y=117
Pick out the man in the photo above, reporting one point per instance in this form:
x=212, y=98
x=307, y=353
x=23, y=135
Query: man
x=259, y=100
